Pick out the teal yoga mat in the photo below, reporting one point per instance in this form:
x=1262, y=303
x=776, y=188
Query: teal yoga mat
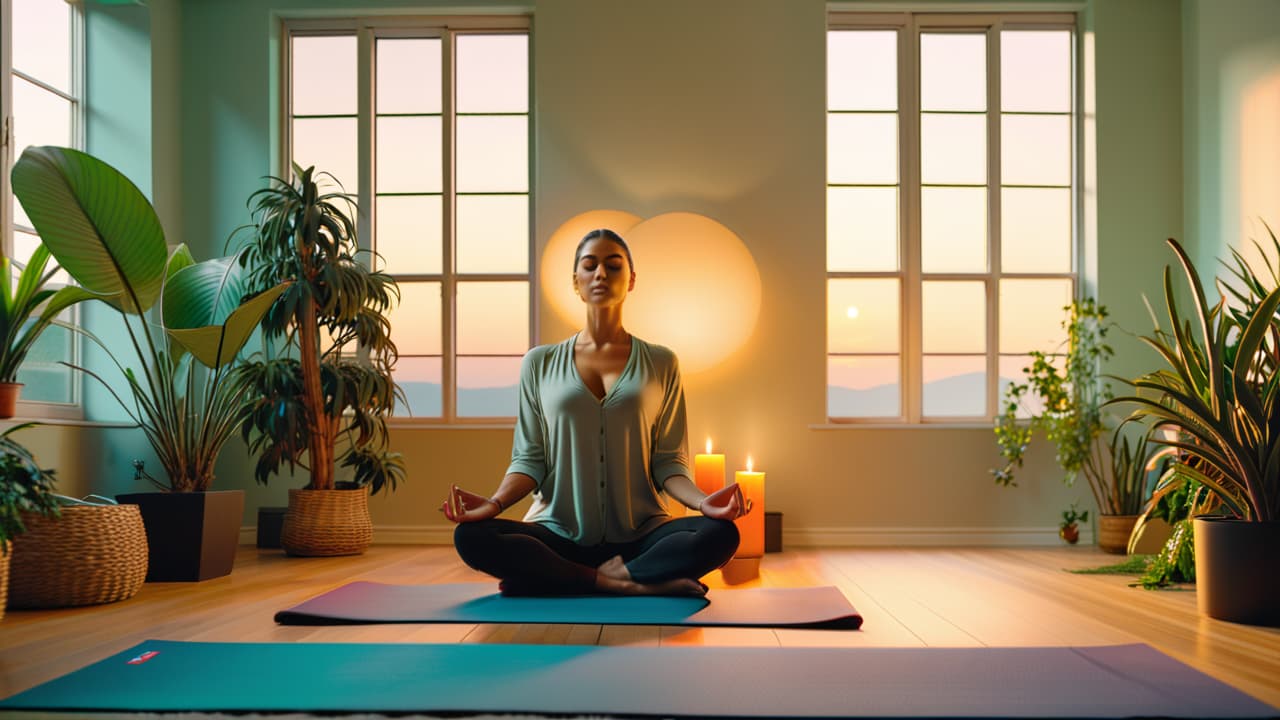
x=368, y=602
x=1111, y=681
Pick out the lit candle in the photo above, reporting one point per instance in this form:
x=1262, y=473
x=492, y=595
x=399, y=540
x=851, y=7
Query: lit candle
x=708, y=470
x=751, y=527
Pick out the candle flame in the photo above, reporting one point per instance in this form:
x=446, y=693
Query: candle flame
x=748, y=463
x=708, y=445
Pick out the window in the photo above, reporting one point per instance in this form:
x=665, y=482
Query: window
x=41, y=43
x=427, y=124
x=951, y=209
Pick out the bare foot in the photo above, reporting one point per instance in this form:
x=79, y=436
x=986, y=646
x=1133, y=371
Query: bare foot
x=614, y=568
x=679, y=586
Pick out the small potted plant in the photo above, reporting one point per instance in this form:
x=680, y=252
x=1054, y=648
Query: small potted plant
x=1072, y=418
x=327, y=386
x=25, y=487
x=1220, y=390
x=27, y=308
x=186, y=323
x=1069, y=529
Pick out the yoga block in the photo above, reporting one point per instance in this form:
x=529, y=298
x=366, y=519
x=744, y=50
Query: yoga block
x=773, y=532
x=270, y=519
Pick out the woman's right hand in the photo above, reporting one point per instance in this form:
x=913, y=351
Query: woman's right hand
x=726, y=503
x=462, y=506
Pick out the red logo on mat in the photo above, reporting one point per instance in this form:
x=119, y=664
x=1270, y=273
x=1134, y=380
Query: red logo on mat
x=144, y=657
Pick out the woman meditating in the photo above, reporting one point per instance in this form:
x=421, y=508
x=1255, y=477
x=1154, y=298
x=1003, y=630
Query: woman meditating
x=601, y=441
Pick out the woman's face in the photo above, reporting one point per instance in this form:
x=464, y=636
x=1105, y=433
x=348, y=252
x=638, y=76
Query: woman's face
x=603, y=276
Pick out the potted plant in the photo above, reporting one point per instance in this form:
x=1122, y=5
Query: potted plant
x=24, y=488
x=327, y=387
x=1220, y=389
x=1069, y=529
x=27, y=308
x=1072, y=419
x=178, y=364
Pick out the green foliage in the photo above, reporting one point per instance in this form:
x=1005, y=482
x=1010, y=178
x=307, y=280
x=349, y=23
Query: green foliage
x=1073, y=515
x=106, y=235
x=1220, y=390
x=1072, y=416
x=27, y=309
x=24, y=486
x=1131, y=565
x=320, y=390
x=1176, y=561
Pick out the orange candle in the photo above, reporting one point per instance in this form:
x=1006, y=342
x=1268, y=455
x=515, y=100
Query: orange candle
x=708, y=470
x=751, y=526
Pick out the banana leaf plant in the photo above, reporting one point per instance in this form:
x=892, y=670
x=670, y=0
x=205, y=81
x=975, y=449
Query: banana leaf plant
x=185, y=322
x=332, y=385
x=1219, y=392
x=27, y=308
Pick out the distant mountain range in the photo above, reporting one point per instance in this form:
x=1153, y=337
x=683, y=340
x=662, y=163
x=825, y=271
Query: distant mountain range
x=424, y=401
x=956, y=396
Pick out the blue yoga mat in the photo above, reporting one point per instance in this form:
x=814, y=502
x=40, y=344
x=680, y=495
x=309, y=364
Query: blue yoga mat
x=1111, y=681
x=368, y=602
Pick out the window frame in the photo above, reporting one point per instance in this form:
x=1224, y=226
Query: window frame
x=39, y=409
x=367, y=30
x=909, y=26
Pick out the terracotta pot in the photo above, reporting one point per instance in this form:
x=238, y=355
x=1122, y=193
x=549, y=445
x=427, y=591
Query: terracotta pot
x=9, y=392
x=1114, y=532
x=327, y=522
x=1236, y=578
x=1070, y=533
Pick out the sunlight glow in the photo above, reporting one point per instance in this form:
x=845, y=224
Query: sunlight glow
x=852, y=312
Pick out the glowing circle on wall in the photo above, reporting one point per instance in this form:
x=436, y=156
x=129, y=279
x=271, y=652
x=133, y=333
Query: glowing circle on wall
x=697, y=286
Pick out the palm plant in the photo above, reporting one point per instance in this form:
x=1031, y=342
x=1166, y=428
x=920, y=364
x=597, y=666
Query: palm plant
x=106, y=235
x=27, y=308
x=330, y=387
x=1220, y=390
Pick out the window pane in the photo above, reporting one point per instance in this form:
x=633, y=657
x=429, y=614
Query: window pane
x=953, y=223
x=324, y=75
x=487, y=386
x=1035, y=230
x=953, y=149
x=862, y=229
x=1013, y=368
x=415, y=322
x=408, y=75
x=408, y=234
x=24, y=245
x=39, y=118
x=1031, y=314
x=955, y=316
x=408, y=155
x=493, y=154
x=1035, y=150
x=953, y=71
x=862, y=70
x=862, y=315
x=42, y=41
x=955, y=385
x=420, y=379
x=330, y=145
x=493, y=234
x=864, y=386
x=45, y=379
x=1035, y=70
x=493, y=73
x=493, y=318
x=862, y=148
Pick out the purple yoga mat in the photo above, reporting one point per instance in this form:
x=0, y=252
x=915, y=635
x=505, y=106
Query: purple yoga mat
x=368, y=602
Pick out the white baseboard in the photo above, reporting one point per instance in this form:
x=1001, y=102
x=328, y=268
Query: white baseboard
x=802, y=537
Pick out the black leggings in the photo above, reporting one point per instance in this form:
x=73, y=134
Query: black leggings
x=530, y=559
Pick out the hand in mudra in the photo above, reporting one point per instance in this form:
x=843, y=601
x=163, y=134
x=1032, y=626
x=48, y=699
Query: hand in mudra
x=726, y=503
x=463, y=506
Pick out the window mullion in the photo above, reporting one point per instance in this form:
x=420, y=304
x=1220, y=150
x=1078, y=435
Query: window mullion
x=448, y=288
x=6, y=125
x=909, y=161
x=994, y=193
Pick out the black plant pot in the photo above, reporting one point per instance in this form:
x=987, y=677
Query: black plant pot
x=1236, y=577
x=192, y=536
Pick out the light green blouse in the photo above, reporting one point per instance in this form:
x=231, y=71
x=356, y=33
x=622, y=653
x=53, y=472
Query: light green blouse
x=600, y=466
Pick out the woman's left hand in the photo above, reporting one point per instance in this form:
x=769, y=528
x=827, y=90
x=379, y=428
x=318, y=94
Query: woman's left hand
x=726, y=503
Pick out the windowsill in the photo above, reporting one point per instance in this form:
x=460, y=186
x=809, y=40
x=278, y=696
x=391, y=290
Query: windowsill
x=78, y=422
x=903, y=426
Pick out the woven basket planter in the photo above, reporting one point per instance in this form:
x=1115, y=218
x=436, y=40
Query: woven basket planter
x=5, y=554
x=89, y=555
x=327, y=522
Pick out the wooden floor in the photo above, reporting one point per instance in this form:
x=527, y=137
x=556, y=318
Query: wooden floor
x=908, y=597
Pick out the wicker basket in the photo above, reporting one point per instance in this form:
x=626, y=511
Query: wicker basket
x=1114, y=532
x=89, y=555
x=327, y=522
x=5, y=554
